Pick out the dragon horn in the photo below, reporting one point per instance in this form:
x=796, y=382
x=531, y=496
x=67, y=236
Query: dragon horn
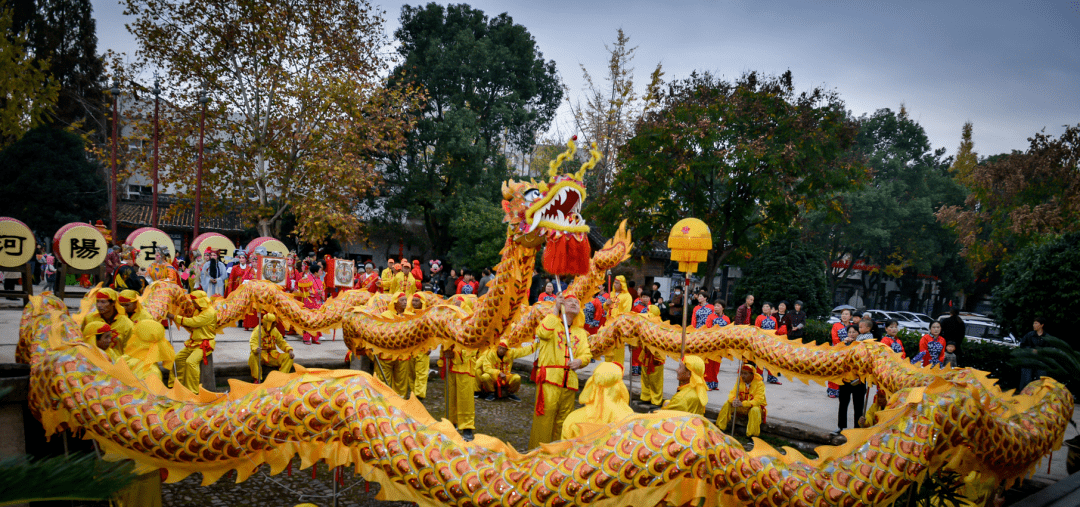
x=593, y=160
x=553, y=166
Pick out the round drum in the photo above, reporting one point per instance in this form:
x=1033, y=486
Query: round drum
x=146, y=241
x=270, y=244
x=80, y=245
x=214, y=241
x=16, y=243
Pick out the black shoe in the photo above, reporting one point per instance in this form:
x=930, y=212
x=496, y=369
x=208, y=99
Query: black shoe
x=489, y=397
x=467, y=435
x=513, y=397
x=476, y=395
x=837, y=432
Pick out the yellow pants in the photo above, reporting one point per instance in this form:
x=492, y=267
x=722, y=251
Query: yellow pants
x=188, y=362
x=652, y=385
x=145, y=491
x=461, y=406
x=421, y=366
x=753, y=420
x=558, y=403
x=512, y=384
x=398, y=371
x=281, y=360
x=617, y=356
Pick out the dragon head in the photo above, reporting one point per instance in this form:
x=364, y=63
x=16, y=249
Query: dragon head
x=552, y=208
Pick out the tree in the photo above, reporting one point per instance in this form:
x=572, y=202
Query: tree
x=29, y=92
x=1041, y=280
x=64, y=33
x=889, y=224
x=1016, y=200
x=487, y=85
x=788, y=269
x=63, y=186
x=480, y=234
x=297, y=116
x=608, y=116
x=745, y=157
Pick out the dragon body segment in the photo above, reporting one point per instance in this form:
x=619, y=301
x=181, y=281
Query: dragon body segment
x=953, y=420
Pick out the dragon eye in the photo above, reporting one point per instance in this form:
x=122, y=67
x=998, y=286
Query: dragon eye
x=531, y=194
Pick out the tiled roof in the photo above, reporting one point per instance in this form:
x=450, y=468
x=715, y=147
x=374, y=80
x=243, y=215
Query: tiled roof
x=137, y=213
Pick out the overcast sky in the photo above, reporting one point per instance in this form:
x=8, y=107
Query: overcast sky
x=1009, y=67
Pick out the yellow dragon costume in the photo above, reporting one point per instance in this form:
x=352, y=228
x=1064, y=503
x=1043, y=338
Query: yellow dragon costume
x=935, y=419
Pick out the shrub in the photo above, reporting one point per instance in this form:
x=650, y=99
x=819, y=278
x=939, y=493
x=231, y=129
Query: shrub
x=818, y=332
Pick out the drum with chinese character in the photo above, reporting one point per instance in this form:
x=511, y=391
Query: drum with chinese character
x=16, y=243
x=146, y=241
x=214, y=241
x=80, y=245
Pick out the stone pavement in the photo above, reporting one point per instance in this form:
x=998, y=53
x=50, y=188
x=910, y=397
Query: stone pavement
x=790, y=404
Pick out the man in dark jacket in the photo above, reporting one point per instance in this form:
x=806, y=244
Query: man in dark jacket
x=796, y=321
x=1032, y=340
x=953, y=329
x=743, y=313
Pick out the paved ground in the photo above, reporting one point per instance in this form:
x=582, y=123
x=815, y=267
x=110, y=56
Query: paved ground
x=792, y=401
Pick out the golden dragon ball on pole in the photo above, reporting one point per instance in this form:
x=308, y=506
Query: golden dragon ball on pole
x=690, y=241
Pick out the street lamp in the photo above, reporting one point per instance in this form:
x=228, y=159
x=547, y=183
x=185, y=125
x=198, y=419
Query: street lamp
x=203, y=99
x=112, y=198
x=157, y=96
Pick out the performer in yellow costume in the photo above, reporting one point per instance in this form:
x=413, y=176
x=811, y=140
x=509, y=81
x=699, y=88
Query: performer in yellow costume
x=100, y=335
x=606, y=400
x=621, y=302
x=556, y=373
x=693, y=394
x=201, y=344
x=109, y=311
x=421, y=363
x=129, y=299
x=652, y=369
x=148, y=347
x=497, y=379
x=265, y=342
x=747, y=398
x=396, y=369
x=162, y=269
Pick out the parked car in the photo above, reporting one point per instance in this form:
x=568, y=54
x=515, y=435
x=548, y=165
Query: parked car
x=921, y=317
x=910, y=323
x=987, y=331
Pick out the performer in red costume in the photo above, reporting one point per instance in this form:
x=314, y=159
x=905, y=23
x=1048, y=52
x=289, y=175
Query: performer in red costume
x=240, y=274
x=595, y=312
x=369, y=279
x=712, y=368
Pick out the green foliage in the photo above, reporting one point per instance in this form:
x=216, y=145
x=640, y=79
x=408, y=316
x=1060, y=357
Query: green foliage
x=818, y=331
x=745, y=157
x=1041, y=280
x=78, y=477
x=890, y=223
x=788, y=269
x=487, y=87
x=1059, y=359
x=480, y=234
x=64, y=33
x=28, y=90
x=63, y=186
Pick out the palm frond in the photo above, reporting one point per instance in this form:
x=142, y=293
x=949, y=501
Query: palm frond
x=76, y=477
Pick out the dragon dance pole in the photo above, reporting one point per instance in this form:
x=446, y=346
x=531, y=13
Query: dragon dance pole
x=738, y=384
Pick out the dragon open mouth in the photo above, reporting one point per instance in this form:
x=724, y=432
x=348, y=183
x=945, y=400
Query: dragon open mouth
x=559, y=211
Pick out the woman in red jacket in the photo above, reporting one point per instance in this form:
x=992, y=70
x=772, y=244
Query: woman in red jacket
x=932, y=346
x=890, y=339
x=839, y=334
x=712, y=368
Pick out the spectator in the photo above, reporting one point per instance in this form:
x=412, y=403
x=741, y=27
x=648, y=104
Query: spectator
x=536, y=287
x=467, y=285
x=854, y=390
x=632, y=287
x=744, y=311
x=839, y=334
x=484, y=279
x=548, y=294
x=783, y=318
x=953, y=328
x=796, y=322
x=891, y=328
x=1032, y=340
x=767, y=321
x=932, y=346
x=950, y=355
x=675, y=309
x=874, y=329
x=657, y=299
x=865, y=331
